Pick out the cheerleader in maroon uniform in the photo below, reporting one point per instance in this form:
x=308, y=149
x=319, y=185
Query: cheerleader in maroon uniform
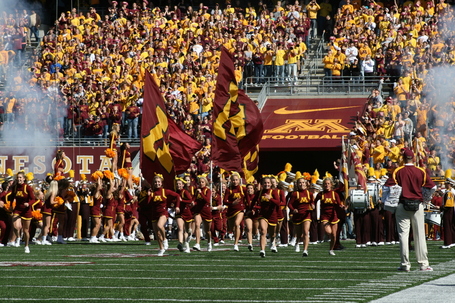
x=120, y=211
x=5, y=218
x=59, y=166
x=95, y=210
x=64, y=196
x=217, y=213
x=184, y=216
x=110, y=205
x=329, y=201
x=301, y=206
x=202, y=213
x=22, y=213
x=37, y=221
x=46, y=211
x=234, y=199
x=266, y=203
x=251, y=221
x=280, y=214
x=159, y=198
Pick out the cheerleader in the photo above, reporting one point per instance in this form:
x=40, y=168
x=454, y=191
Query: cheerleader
x=251, y=221
x=217, y=213
x=184, y=216
x=95, y=210
x=120, y=211
x=202, y=213
x=234, y=200
x=329, y=200
x=159, y=198
x=22, y=214
x=110, y=205
x=59, y=166
x=46, y=211
x=266, y=203
x=114, y=137
x=64, y=196
x=5, y=217
x=37, y=221
x=301, y=206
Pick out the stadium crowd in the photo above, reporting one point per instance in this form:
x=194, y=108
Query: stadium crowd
x=91, y=69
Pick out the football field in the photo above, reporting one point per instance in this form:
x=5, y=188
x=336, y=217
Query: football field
x=132, y=272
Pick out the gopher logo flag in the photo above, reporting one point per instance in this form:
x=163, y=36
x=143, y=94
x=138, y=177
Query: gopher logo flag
x=237, y=123
x=155, y=148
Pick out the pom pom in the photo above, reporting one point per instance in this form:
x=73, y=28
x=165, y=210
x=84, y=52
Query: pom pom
x=9, y=172
x=37, y=215
x=110, y=153
x=108, y=174
x=58, y=202
x=448, y=174
x=71, y=173
x=314, y=179
x=29, y=176
x=288, y=167
x=282, y=177
x=58, y=178
x=83, y=177
x=307, y=176
x=8, y=207
x=316, y=174
x=123, y=172
x=298, y=175
x=97, y=175
x=136, y=180
x=370, y=172
x=328, y=175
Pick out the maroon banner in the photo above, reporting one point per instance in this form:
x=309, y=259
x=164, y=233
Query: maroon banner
x=308, y=124
x=182, y=147
x=40, y=161
x=155, y=153
x=237, y=124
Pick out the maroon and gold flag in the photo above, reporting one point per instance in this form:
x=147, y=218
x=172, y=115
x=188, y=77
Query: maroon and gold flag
x=237, y=123
x=182, y=147
x=155, y=147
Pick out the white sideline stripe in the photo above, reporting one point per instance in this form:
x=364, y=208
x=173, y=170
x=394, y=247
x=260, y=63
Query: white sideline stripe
x=163, y=300
x=175, y=278
x=170, y=287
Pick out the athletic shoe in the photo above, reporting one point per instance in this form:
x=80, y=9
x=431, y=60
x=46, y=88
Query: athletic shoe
x=130, y=238
x=262, y=254
x=374, y=244
x=161, y=252
x=197, y=247
x=209, y=247
x=250, y=247
x=38, y=242
x=108, y=240
x=221, y=241
x=216, y=244
x=1, y=245
x=314, y=243
x=363, y=245
x=452, y=245
x=102, y=239
x=292, y=242
x=18, y=242
x=27, y=250
x=380, y=243
x=146, y=243
x=236, y=247
x=305, y=253
x=428, y=268
x=332, y=253
x=187, y=248
x=369, y=243
x=283, y=245
x=180, y=247
x=388, y=243
x=445, y=246
x=403, y=269
x=358, y=245
x=71, y=239
x=10, y=244
x=45, y=242
x=116, y=239
x=122, y=238
x=93, y=240
x=273, y=249
x=297, y=248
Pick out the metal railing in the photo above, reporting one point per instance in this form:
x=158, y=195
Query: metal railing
x=43, y=142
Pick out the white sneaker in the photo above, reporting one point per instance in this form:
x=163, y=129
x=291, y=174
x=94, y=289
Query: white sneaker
x=123, y=239
x=292, y=242
x=374, y=244
x=54, y=238
x=388, y=243
x=1, y=245
x=236, y=247
x=38, y=242
x=108, y=240
x=297, y=248
x=187, y=248
x=27, y=250
x=10, y=244
x=368, y=243
x=93, y=240
x=102, y=239
x=452, y=245
x=45, y=242
x=116, y=239
x=363, y=245
x=358, y=245
x=71, y=239
x=305, y=253
x=161, y=252
x=221, y=241
x=166, y=244
x=314, y=243
x=445, y=246
x=197, y=247
x=250, y=247
x=17, y=243
x=332, y=253
x=209, y=247
x=262, y=254
x=148, y=243
x=380, y=243
x=273, y=249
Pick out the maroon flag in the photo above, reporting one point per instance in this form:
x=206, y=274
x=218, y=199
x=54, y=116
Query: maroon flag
x=182, y=147
x=237, y=123
x=155, y=151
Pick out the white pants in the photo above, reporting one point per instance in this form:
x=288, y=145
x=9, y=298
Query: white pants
x=404, y=221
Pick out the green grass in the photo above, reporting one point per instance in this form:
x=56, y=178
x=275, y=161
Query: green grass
x=132, y=271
